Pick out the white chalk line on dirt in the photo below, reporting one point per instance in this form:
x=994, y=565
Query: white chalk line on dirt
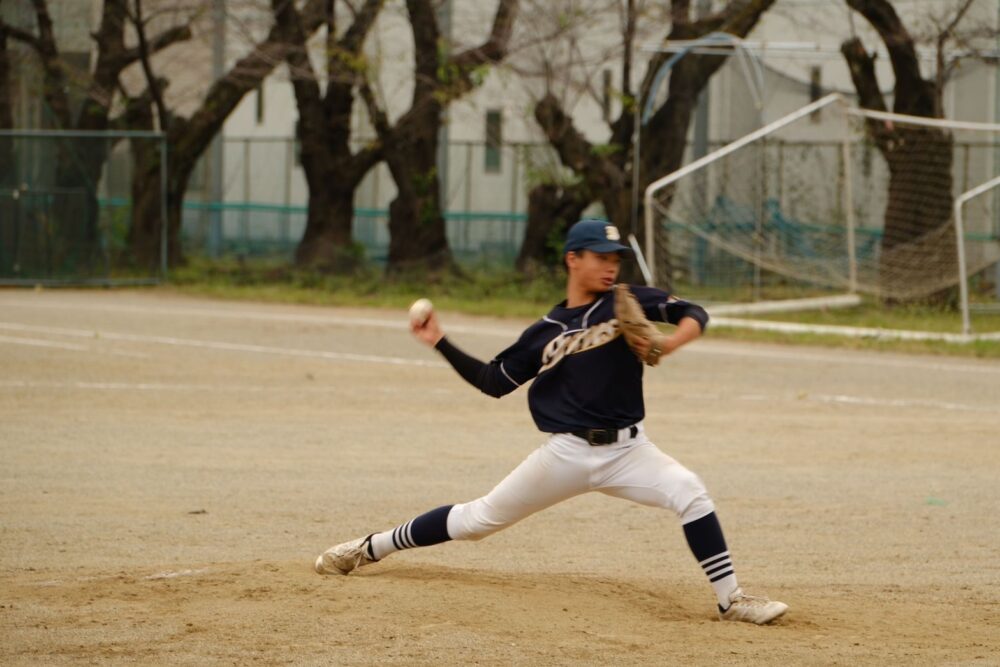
x=867, y=401
x=703, y=347
x=185, y=387
x=174, y=575
x=34, y=342
x=152, y=577
x=843, y=399
x=38, y=342
x=332, y=320
x=221, y=345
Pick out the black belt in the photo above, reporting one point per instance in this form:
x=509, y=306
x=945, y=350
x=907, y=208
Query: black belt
x=603, y=436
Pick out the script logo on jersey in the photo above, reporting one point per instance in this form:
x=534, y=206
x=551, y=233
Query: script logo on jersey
x=574, y=342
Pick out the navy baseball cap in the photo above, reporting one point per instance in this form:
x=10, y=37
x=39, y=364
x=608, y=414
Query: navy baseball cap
x=594, y=235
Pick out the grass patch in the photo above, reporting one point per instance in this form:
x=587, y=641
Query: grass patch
x=507, y=293
x=978, y=349
x=494, y=292
x=871, y=314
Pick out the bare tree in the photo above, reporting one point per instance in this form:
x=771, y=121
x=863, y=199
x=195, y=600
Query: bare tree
x=79, y=162
x=332, y=170
x=606, y=171
x=6, y=112
x=410, y=145
x=189, y=136
x=919, y=158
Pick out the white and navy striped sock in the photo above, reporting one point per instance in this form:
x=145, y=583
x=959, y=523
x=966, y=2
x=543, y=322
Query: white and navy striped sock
x=704, y=537
x=720, y=573
x=423, y=531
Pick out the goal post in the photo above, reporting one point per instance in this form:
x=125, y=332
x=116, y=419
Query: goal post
x=832, y=197
x=655, y=203
x=963, y=277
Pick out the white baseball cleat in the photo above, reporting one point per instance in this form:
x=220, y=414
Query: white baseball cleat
x=344, y=558
x=752, y=609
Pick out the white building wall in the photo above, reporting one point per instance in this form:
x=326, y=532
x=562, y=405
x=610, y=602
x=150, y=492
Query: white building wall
x=470, y=187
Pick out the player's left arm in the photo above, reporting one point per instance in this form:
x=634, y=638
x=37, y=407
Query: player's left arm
x=689, y=318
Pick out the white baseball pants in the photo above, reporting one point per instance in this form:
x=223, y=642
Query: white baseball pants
x=567, y=466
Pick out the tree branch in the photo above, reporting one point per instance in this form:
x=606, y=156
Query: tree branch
x=494, y=49
x=862, y=68
x=21, y=35
x=913, y=95
x=304, y=80
x=575, y=152
x=377, y=116
x=147, y=68
x=944, y=69
x=6, y=106
x=55, y=76
x=680, y=13
x=355, y=36
x=192, y=136
x=426, y=37
x=165, y=39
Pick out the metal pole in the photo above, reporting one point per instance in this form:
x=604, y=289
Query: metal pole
x=217, y=151
x=963, y=287
x=468, y=177
x=245, y=217
x=286, y=233
x=636, y=134
x=515, y=176
x=960, y=237
x=444, y=17
x=996, y=161
x=852, y=260
x=164, y=222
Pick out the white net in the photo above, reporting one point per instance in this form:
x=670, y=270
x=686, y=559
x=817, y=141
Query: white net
x=835, y=198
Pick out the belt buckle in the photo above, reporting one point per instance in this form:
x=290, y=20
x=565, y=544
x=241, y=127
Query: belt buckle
x=597, y=437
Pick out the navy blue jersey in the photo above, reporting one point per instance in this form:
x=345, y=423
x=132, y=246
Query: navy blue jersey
x=585, y=375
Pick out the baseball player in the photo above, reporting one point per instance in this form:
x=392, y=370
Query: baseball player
x=587, y=396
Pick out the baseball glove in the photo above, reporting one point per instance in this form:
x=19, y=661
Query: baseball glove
x=634, y=325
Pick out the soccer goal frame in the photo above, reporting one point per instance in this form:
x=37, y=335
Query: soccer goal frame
x=652, y=207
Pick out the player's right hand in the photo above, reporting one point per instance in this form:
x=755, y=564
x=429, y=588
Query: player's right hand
x=429, y=332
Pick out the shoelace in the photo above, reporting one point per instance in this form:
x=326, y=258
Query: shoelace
x=752, y=600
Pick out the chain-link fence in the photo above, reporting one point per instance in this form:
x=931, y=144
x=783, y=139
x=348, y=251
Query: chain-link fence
x=54, y=226
x=259, y=208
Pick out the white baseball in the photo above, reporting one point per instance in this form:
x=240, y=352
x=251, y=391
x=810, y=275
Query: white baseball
x=420, y=311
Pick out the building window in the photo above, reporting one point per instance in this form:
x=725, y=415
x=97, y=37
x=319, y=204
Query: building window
x=298, y=143
x=606, y=95
x=260, y=103
x=815, y=89
x=494, y=140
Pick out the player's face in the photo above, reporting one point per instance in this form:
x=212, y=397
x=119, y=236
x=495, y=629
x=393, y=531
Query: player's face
x=594, y=272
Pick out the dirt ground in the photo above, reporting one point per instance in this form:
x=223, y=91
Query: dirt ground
x=172, y=466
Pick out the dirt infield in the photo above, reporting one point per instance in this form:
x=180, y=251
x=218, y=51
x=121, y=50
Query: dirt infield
x=172, y=466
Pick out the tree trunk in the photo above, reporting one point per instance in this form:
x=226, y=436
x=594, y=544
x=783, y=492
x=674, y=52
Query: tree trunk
x=326, y=243
x=416, y=224
x=551, y=210
x=332, y=171
x=7, y=176
x=75, y=236
x=146, y=228
x=918, y=243
x=190, y=137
